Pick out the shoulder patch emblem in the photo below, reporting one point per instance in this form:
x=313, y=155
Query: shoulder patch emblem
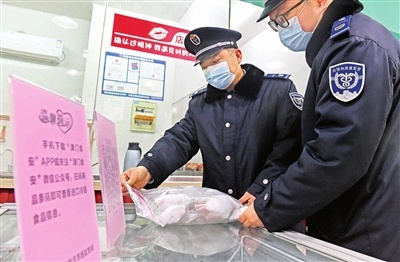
x=346, y=80
x=340, y=26
x=297, y=100
x=198, y=92
x=281, y=76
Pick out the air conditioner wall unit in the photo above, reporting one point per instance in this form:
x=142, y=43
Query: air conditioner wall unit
x=31, y=46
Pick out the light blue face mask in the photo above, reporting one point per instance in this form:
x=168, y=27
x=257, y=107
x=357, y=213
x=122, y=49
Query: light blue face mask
x=219, y=75
x=293, y=36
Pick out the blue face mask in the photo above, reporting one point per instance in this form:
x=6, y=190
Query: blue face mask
x=293, y=36
x=219, y=75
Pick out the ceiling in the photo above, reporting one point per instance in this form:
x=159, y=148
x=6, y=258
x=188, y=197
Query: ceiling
x=172, y=10
x=77, y=9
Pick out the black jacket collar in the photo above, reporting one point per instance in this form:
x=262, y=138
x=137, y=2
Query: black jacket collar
x=336, y=10
x=249, y=85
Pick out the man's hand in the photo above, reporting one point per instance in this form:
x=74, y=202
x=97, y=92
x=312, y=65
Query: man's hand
x=136, y=177
x=249, y=218
x=247, y=199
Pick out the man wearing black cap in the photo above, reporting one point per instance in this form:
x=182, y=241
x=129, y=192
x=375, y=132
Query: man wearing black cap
x=347, y=179
x=245, y=124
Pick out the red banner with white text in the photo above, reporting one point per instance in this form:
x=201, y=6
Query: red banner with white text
x=150, y=37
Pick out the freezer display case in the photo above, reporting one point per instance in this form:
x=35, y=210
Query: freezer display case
x=144, y=240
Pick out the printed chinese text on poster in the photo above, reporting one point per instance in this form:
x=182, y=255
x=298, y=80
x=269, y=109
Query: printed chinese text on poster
x=110, y=183
x=133, y=76
x=150, y=37
x=53, y=179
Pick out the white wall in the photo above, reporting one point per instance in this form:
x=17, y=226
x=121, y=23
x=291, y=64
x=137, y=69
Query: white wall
x=260, y=46
x=47, y=75
x=189, y=78
x=118, y=109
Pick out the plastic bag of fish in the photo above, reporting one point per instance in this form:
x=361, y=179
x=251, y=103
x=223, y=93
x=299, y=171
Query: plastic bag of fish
x=186, y=205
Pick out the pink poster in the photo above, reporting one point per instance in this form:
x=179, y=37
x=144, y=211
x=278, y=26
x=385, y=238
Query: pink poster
x=109, y=176
x=53, y=181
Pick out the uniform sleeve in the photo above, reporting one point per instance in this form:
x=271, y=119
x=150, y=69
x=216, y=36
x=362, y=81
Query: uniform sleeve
x=346, y=137
x=287, y=144
x=173, y=150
